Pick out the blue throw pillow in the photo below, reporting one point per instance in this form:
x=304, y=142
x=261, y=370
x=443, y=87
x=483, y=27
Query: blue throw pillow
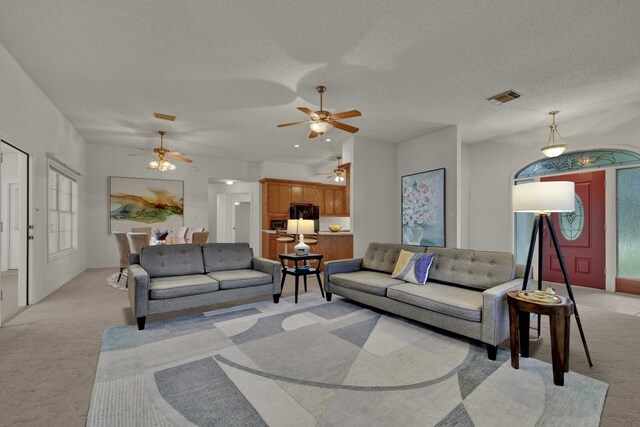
x=413, y=267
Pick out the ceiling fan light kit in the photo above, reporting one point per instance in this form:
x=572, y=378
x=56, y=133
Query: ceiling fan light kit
x=320, y=122
x=161, y=156
x=552, y=149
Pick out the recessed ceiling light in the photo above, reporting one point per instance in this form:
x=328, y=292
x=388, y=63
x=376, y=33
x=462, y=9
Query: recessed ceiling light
x=504, y=97
x=237, y=203
x=328, y=139
x=229, y=182
x=296, y=146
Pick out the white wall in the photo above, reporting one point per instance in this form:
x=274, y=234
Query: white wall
x=492, y=165
x=440, y=149
x=106, y=160
x=293, y=171
x=375, y=212
x=30, y=121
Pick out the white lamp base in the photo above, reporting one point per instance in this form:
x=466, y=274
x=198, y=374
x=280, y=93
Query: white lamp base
x=301, y=248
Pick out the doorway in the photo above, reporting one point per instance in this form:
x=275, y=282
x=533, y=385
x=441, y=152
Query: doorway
x=242, y=222
x=14, y=219
x=581, y=234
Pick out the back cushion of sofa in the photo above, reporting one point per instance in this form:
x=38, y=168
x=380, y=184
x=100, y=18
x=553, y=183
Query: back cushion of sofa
x=172, y=260
x=474, y=269
x=383, y=256
x=227, y=256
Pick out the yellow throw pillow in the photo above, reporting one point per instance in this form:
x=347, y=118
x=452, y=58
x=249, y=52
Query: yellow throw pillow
x=401, y=263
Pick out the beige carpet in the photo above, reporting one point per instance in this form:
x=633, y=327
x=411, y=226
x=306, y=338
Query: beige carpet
x=49, y=353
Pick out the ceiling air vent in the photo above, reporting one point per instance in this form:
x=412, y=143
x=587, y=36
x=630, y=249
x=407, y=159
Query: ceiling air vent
x=504, y=97
x=164, y=117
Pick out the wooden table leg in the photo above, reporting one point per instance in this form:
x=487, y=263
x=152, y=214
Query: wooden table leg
x=320, y=282
x=567, y=335
x=557, y=323
x=284, y=276
x=297, y=280
x=525, y=323
x=513, y=336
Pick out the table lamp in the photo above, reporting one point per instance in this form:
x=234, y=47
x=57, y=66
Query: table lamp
x=543, y=199
x=304, y=226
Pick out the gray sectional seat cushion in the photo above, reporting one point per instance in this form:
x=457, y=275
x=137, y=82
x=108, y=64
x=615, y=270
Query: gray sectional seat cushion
x=475, y=269
x=233, y=279
x=227, y=256
x=181, y=286
x=172, y=260
x=383, y=256
x=371, y=282
x=450, y=300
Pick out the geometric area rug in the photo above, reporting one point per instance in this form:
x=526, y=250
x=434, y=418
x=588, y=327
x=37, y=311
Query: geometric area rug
x=319, y=363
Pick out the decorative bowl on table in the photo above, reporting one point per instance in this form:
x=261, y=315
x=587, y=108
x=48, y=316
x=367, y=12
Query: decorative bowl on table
x=335, y=228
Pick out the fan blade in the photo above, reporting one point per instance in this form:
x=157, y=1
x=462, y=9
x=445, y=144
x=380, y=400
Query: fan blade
x=180, y=158
x=330, y=176
x=292, y=124
x=345, y=127
x=313, y=134
x=176, y=153
x=305, y=110
x=346, y=115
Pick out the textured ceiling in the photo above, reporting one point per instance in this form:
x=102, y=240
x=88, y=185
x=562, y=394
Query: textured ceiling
x=232, y=70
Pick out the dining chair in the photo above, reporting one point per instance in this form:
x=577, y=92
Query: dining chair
x=180, y=232
x=139, y=240
x=146, y=230
x=193, y=230
x=124, y=250
x=200, y=237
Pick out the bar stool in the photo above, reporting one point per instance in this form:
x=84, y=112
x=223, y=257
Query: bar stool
x=285, y=238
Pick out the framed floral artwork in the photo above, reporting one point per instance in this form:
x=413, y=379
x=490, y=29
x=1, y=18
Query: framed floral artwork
x=423, y=208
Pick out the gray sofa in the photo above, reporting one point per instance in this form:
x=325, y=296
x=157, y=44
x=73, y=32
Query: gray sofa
x=466, y=292
x=174, y=277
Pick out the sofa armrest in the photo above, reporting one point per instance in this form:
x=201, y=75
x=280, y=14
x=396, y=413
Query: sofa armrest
x=268, y=266
x=138, y=283
x=340, y=266
x=495, y=312
x=134, y=259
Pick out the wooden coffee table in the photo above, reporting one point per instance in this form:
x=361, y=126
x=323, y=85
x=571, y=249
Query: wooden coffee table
x=559, y=324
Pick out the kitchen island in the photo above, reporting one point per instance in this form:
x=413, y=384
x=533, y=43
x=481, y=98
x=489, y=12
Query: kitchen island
x=331, y=245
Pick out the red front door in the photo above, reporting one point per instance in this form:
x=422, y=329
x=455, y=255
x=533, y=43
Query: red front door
x=581, y=234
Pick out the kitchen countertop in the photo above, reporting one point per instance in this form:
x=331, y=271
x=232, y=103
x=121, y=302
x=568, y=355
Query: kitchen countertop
x=322, y=233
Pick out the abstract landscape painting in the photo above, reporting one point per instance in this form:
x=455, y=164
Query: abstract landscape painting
x=137, y=202
x=423, y=203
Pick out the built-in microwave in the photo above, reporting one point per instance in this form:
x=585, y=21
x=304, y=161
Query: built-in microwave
x=306, y=212
x=278, y=224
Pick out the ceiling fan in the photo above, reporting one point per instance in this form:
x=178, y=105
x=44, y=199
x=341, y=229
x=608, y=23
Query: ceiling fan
x=339, y=174
x=160, y=155
x=322, y=121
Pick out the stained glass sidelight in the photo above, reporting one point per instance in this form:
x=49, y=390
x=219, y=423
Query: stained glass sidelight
x=628, y=193
x=579, y=160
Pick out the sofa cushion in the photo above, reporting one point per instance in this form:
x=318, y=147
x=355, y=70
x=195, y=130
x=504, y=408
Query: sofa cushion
x=450, y=300
x=383, y=256
x=475, y=269
x=226, y=256
x=232, y=279
x=172, y=260
x=371, y=282
x=181, y=286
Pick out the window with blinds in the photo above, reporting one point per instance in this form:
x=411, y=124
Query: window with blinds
x=63, y=212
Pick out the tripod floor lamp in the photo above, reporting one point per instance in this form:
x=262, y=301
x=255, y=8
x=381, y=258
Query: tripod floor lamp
x=542, y=199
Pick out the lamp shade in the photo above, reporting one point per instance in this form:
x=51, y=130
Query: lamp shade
x=549, y=196
x=306, y=226
x=292, y=226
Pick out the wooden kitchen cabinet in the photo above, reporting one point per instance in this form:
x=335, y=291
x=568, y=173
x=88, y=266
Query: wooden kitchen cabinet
x=296, y=193
x=329, y=202
x=332, y=246
x=278, y=199
x=308, y=194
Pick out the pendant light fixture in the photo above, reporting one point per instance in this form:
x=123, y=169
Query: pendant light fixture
x=552, y=149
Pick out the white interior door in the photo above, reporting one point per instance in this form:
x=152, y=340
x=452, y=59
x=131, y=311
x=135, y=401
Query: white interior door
x=242, y=222
x=13, y=226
